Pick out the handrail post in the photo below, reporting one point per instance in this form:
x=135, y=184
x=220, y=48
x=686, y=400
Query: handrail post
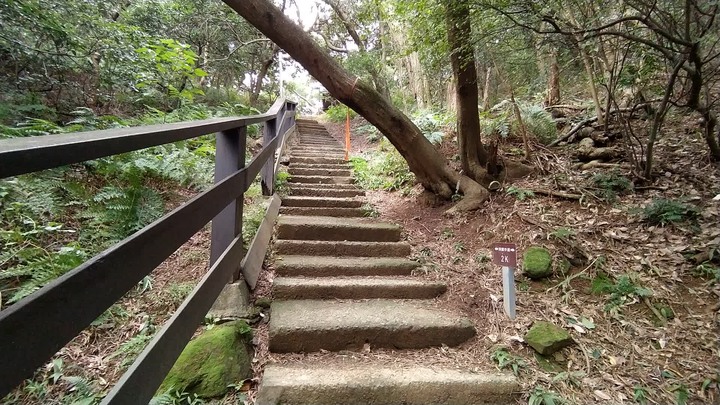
x=229, y=158
x=267, y=175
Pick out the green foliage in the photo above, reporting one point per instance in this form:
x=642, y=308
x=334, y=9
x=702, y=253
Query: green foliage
x=625, y=290
x=167, y=67
x=662, y=211
x=562, y=233
x=281, y=183
x=338, y=113
x=175, y=397
x=383, y=170
x=640, y=394
x=501, y=122
x=709, y=271
x=541, y=396
x=612, y=184
x=505, y=360
x=370, y=211
x=520, y=193
x=432, y=124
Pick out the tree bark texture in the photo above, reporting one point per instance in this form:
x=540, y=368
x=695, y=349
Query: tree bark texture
x=429, y=167
x=473, y=156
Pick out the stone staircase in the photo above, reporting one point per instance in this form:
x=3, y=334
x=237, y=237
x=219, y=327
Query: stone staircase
x=343, y=282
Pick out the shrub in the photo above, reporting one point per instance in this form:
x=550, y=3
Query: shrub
x=612, y=184
x=338, y=113
x=662, y=211
x=501, y=121
x=384, y=170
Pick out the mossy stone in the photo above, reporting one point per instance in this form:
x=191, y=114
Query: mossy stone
x=212, y=361
x=537, y=262
x=547, y=338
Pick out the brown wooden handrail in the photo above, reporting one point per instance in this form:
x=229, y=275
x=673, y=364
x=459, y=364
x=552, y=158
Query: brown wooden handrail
x=35, y=328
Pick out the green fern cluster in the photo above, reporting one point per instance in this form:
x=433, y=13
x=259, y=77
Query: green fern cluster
x=500, y=121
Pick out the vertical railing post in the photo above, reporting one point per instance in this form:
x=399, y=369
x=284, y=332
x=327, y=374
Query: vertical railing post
x=229, y=158
x=267, y=175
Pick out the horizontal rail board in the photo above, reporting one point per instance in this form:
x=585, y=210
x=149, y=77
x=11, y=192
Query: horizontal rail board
x=35, y=328
x=139, y=383
x=25, y=155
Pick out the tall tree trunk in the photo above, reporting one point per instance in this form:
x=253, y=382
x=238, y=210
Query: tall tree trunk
x=430, y=168
x=473, y=156
x=486, y=89
x=553, y=96
x=264, y=69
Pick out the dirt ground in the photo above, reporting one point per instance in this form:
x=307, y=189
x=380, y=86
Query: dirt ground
x=664, y=348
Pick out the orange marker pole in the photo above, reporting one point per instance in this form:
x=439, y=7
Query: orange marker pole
x=347, y=133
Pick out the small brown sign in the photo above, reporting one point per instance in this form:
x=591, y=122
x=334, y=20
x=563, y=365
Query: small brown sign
x=504, y=254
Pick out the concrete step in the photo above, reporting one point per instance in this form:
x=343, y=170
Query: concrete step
x=325, y=192
x=343, y=166
x=321, y=179
x=316, y=160
x=324, y=186
x=317, y=155
x=316, y=137
x=354, y=383
x=338, y=229
x=314, y=325
x=342, y=248
x=336, y=151
x=322, y=288
x=334, y=147
x=300, y=171
x=329, y=266
x=325, y=211
x=294, y=201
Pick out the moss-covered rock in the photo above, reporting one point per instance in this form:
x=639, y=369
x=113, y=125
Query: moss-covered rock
x=547, y=338
x=212, y=361
x=537, y=262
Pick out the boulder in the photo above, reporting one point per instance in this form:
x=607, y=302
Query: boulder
x=547, y=338
x=212, y=361
x=537, y=263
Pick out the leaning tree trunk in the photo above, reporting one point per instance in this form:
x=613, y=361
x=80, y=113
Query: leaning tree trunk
x=430, y=168
x=473, y=156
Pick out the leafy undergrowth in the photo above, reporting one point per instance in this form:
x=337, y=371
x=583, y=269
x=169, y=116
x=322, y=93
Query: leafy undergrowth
x=54, y=220
x=637, y=279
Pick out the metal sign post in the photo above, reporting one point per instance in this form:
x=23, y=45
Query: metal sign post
x=505, y=255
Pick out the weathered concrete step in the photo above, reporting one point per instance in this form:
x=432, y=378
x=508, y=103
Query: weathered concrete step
x=320, y=288
x=341, y=248
x=294, y=201
x=329, y=266
x=344, y=165
x=316, y=160
x=325, y=211
x=332, y=228
x=337, y=151
x=313, y=325
x=319, y=138
x=321, y=179
x=352, y=383
x=325, y=192
x=324, y=186
x=300, y=171
x=336, y=155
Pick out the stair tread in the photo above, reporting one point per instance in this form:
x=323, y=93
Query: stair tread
x=353, y=382
x=313, y=325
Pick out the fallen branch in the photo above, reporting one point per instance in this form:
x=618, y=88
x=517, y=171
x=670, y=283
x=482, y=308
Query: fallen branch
x=559, y=194
x=566, y=107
